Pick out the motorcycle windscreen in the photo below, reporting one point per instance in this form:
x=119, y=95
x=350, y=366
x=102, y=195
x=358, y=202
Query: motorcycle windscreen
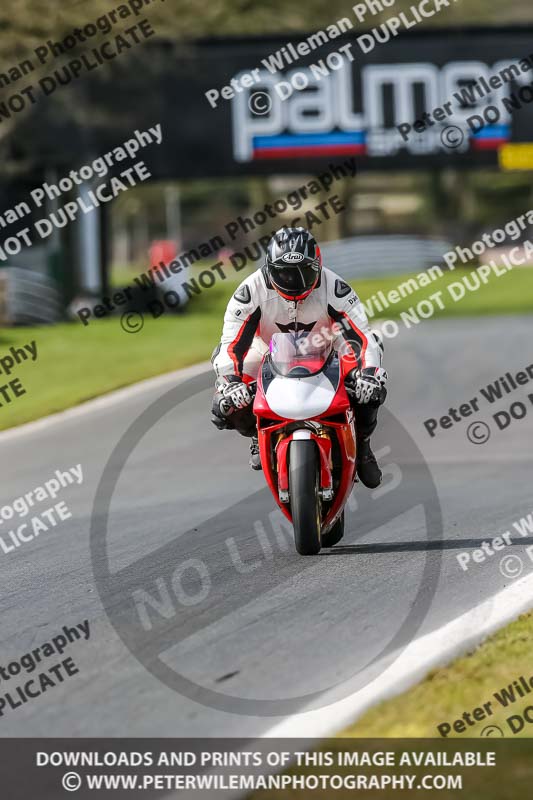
x=298, y=355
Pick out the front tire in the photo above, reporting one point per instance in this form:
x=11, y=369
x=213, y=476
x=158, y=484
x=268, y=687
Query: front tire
x=305, y=501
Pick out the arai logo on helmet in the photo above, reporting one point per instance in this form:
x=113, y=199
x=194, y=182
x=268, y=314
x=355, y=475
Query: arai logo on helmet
x=292, y=258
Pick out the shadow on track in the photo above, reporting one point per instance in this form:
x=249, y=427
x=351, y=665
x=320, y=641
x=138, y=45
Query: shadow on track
x=401, y=547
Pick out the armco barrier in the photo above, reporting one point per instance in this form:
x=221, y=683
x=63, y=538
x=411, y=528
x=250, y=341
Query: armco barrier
x=371, y=256
x=27, y=297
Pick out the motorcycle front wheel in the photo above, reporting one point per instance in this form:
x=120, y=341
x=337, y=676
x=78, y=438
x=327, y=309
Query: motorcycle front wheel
x=304, y=497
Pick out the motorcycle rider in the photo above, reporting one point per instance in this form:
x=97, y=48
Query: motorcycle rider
x=293, y=291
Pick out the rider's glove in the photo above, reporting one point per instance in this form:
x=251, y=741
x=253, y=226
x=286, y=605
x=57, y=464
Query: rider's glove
x=236, y=395
x=366, y=385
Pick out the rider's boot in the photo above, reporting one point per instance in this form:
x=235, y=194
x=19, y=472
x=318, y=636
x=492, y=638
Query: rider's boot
x=367, y=467
x=255, y=458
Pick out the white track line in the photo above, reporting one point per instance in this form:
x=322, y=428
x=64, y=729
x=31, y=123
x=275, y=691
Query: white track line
x=105, y=401
x=423, y=654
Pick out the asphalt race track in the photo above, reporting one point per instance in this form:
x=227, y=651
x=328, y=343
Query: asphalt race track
x=247, y=631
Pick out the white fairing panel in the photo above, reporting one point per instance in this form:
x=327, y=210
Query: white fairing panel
x=300, y=398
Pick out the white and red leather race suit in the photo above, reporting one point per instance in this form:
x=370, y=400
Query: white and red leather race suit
x=256, y=311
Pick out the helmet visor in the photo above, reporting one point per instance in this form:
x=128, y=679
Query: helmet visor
x=294, y=280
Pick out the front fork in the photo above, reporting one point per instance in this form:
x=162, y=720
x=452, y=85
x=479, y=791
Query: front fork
x=323, y=443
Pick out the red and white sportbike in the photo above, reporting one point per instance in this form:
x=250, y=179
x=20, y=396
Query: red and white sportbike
x=306, y=432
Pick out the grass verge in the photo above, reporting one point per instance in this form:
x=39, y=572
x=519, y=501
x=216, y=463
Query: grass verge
x=77, y=363
x=512, y=293
x=470, y=682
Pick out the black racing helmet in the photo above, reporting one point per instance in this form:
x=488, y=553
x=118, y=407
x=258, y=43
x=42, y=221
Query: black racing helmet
x=293, y=262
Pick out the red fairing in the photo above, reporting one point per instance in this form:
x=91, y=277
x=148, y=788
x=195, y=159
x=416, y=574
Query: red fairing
x=261, y=407
x=340, y=403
